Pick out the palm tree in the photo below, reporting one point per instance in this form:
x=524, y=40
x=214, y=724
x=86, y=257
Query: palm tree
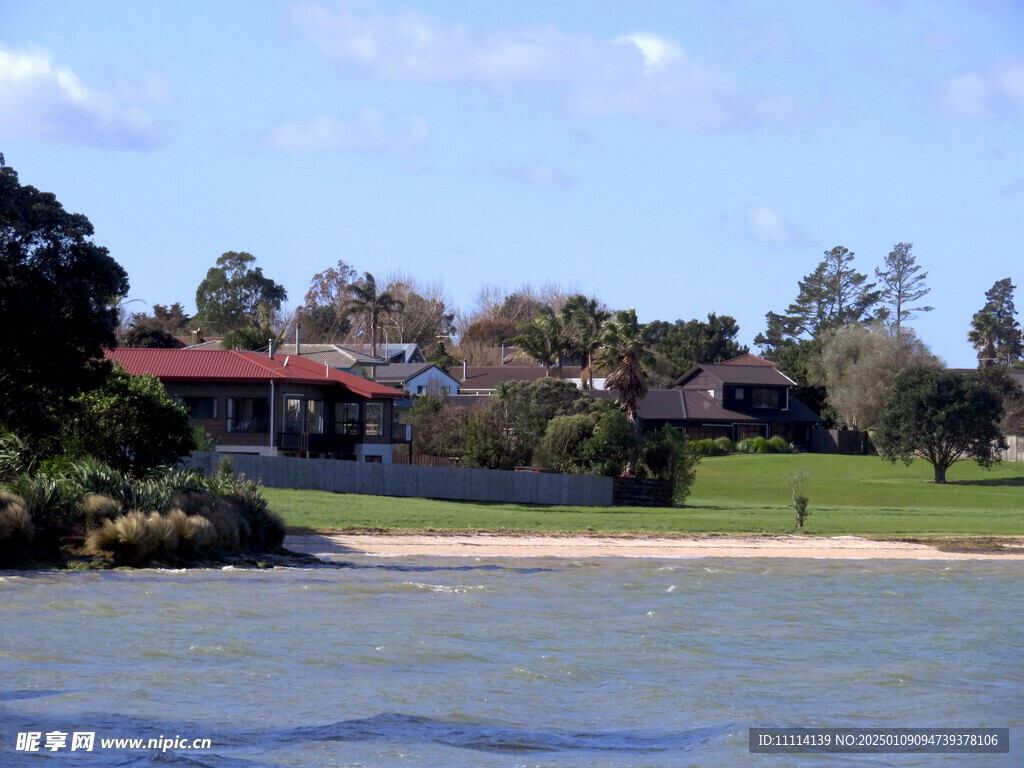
x=543, y=339
x=984, y=335
x=583, y=320
x=624, y=356
x=366, y=301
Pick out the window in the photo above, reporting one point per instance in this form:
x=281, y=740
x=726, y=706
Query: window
x=374, y=419
x=764, y=398
x=302, y=415
x=201, y=407
x=710, y=392
x=346, y=419
x=421, y=389
x=249, y=414
x=738, y=393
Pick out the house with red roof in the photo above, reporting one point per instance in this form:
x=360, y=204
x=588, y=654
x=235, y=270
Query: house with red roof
x=273, y=405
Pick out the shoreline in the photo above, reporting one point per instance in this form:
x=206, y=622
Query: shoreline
x=378, y=544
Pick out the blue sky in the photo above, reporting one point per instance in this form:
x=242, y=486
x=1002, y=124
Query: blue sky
x=676, y=157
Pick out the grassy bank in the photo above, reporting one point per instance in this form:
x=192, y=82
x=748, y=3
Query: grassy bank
x=733, y=494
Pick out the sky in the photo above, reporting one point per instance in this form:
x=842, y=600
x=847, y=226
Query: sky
x=677, y=157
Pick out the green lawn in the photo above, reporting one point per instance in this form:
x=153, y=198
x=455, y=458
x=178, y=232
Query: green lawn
x=733, y=494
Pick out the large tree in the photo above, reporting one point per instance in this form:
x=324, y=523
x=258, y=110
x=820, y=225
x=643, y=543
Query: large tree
x=58, y=293
x=425, y=315
x=903, y=284
x=995, y=332
x=834, y=294
x=230, y=296
x=858, y=365
x=323, y=317
x=941, y=416
x=130, y=423
x=369, y=306
x=684, y=344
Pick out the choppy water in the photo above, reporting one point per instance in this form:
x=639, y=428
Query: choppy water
x=437, y=662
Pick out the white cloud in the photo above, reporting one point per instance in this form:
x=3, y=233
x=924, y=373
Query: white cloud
x=658, y=52
x=639, y=74
x=42, y=100
x=766, y=226
x=372, y=130
x=997, y=89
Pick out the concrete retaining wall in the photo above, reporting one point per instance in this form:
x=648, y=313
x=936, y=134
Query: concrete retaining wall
x=421, y=482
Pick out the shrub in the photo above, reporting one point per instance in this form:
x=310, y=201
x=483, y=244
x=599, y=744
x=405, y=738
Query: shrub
x=163, y=531
x=96, y=507
x=743, y=446
x=128, y=538
x=706, y=447
x=724, y=445
x=47, y=499
x=665, y=455
x=16, y=528
x=759, y=445
x=560, y=446
x=779, y=444
x=15, y=521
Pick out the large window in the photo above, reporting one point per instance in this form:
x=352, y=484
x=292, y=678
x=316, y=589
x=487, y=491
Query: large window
x=374, y=419
x=201, y=407
x=249, y=414
x=346, y=419
x=302, y=415
x=764, y=398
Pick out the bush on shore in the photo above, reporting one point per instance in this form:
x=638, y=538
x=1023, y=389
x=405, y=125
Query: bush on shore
x=171, y=517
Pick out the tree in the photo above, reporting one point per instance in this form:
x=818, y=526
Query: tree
x=995, y=332
x=625, y=357
x=425, y=317
x=232, y=293
x=984, y=337
x=149, y=338
x=583, y=320
x=323, y=316
x=170, y=320
x=857, y=366
x=903, y=284
x=543, y=339
x=683, y=345
x=58, y=292
x=437, y=427
x=370, y=306
x=834, y=294
x=130, y=423
x=941, y=416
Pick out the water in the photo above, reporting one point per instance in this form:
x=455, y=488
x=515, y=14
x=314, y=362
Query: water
x=455, y=662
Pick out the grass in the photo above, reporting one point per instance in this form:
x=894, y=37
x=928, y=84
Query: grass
x=849, y=495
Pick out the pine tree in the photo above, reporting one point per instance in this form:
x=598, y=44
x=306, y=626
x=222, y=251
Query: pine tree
x=904, y=284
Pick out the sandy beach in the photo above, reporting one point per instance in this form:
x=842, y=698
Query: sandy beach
x=337, y=546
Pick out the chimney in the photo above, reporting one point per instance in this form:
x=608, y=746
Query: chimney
x=502, y=353
x=271, y=349
x=298, y=340
x=465, y=372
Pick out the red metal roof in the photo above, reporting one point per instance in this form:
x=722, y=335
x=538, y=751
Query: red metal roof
x=234, y=365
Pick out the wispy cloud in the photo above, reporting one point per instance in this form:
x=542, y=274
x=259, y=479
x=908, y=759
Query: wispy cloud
x=544, y=175
x=372, y=130
x=997, y=89
x=640, y=74
x=39, y=99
